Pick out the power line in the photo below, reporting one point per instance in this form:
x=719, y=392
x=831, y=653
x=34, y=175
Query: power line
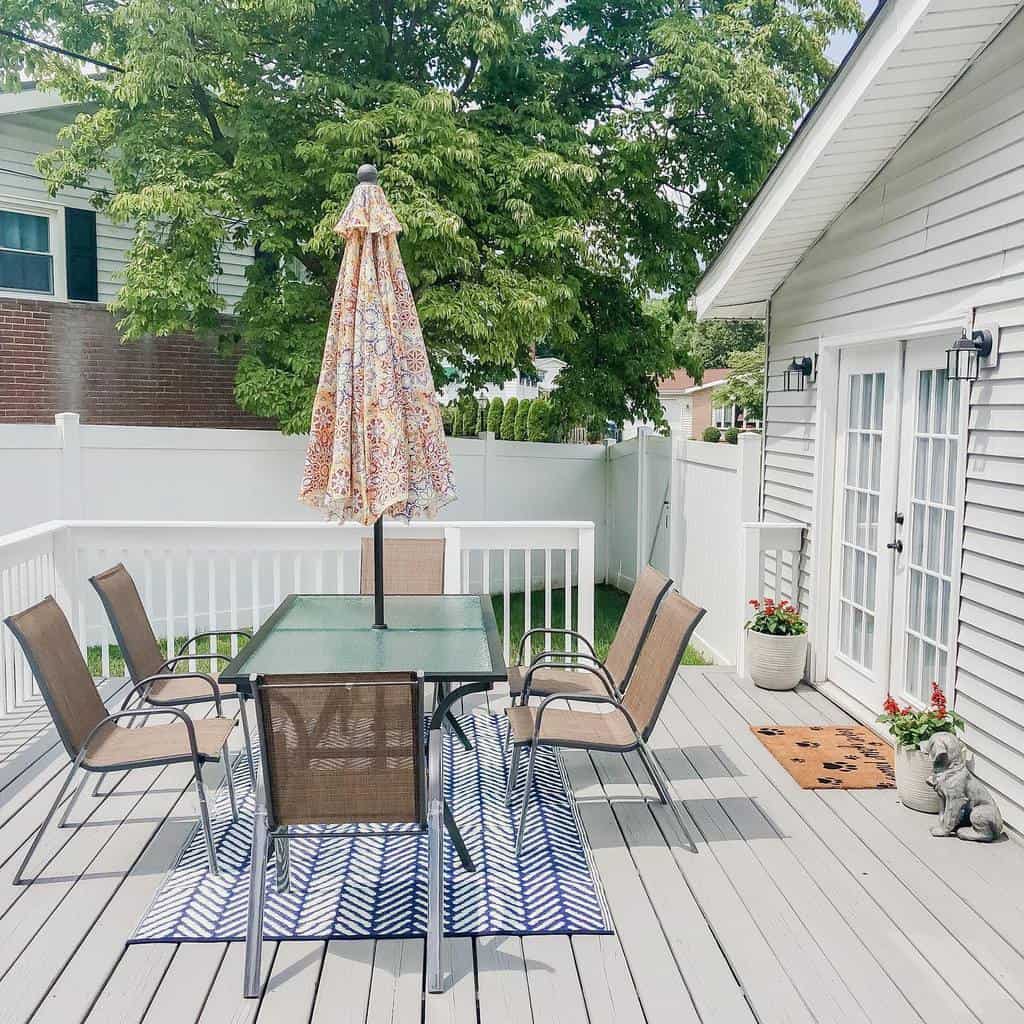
x=59, y=49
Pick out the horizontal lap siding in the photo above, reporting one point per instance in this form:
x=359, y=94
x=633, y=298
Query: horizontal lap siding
x=23, y=138
x=939, y=231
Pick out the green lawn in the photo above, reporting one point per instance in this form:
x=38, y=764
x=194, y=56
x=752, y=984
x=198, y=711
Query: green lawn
x=609, y=605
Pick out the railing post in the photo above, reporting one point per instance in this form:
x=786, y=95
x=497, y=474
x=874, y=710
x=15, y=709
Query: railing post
x=452, y=560
x=641, y=502
x=70, y=484
x=749, y=583
x=675, y=512
x=585, y=581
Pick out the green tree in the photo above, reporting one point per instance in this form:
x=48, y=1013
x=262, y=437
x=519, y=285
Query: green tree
x=447, y=419
x=745, y=386
x=538, y=421
x=552, y=165
x=469, y=416
x=456, y=419
x=709, y=342
x=522, y=432
x=494, y=414
x=508, y=420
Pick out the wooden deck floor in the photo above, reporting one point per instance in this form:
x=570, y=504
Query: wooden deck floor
x=799, y=906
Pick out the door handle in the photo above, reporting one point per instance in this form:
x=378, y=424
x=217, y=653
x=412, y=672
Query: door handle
x=895, y=545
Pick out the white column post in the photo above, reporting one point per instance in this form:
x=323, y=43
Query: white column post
x=70, y=489
x=675, y=510
x=750, y=540
x=585, y=581
x=452, y=560
x=641, y=501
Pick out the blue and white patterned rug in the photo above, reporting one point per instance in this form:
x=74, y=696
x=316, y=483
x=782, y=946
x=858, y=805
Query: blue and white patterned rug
x=374, y=884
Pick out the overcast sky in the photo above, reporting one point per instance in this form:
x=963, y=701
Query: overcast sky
x=842, y=42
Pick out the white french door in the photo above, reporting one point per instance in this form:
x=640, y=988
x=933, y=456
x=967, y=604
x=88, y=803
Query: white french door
x=894, y=551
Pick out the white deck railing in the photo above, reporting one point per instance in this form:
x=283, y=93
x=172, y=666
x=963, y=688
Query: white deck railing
x=195, y=577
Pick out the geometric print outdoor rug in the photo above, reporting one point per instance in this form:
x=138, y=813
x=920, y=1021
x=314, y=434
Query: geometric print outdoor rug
x=374, y=885
x=830, y=757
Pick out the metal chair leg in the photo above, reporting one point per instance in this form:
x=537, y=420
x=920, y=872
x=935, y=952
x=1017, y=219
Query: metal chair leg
x=72, y=800
x=204, y=815
x=248, y=741
x=46, y=821
x=257, y=898
x=664, y=793
x=513, y=771
x=282, y=863
x=526, y=799
x=229, y=775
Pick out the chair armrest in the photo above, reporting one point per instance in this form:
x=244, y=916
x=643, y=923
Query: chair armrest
x=582, y=698
x=176, y=675
x=145, y=713
x=198, y=656
x=213, y=632
x=553, y=629
x=613, y=693
x=541, y=661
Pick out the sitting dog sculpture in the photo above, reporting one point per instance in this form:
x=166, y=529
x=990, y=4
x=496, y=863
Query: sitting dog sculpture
x=968, y=810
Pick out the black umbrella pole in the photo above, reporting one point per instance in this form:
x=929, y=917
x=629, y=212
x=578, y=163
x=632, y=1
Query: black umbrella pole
x=378, y=574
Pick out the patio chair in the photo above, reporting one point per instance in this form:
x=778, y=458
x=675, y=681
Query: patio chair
x=610, y=676
x=335, y=749
x=94, y=739
x=155, y=678
x=412, y=565
x=630, y=719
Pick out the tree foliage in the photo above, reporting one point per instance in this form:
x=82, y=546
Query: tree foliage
x=538, y=421
x=508, y=420
x=522, y=429
x=708, y=343
x=552, y=165
x=494, y=413
x=745, y=386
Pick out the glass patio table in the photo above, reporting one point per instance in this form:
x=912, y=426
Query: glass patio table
x=452, y=640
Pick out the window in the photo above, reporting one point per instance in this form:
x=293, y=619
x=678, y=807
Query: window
x=26, y=259
x=724, y=416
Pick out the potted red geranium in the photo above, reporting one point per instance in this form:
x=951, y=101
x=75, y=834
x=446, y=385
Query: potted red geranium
x=910, y=728
x=777, y=644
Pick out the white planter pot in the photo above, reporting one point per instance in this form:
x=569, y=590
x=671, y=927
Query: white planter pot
x=776, y=662
x=912, y=770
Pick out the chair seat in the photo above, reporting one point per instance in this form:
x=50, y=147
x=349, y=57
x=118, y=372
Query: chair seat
x=565, y=728
x=114, y=746
x=554, y=680
x=187, y=691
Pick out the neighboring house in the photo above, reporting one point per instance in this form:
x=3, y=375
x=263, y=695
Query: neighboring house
x=893, y=222
x=60, y=263
x=541, y=383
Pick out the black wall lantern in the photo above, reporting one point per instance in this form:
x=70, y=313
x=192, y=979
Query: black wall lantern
x=795, y=376
x=963, y=360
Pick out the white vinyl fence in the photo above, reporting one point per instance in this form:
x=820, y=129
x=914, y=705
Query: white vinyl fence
x=196, y=577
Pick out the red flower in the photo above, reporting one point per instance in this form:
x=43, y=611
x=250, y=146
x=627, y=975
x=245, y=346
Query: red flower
x=890, y=706
x=754, y=603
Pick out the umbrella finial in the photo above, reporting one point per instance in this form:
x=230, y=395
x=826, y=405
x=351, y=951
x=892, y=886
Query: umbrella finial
x=367, y=174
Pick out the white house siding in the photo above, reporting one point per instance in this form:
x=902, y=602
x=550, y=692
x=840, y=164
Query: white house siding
x=940, y=231
x=23, y=138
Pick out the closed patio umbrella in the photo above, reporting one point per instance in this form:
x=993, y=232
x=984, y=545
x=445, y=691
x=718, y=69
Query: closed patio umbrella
x=377, y=444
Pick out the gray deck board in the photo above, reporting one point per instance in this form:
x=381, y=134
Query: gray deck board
x=799, y=905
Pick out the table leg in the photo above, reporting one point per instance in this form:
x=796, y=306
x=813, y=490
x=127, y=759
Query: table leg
x=457, y=840
x=435, y=862
x=441, y=690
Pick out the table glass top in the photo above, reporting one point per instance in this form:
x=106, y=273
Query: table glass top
x=445, y=637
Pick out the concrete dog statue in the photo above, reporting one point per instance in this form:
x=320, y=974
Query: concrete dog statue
x=968, y=810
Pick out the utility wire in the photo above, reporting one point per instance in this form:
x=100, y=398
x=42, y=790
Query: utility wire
x=59, y=49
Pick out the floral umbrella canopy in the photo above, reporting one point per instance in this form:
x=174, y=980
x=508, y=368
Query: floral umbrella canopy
x=377, y=444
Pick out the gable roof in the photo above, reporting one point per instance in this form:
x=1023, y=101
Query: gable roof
x=910, y=53
x=680, y=381
x=29, y=97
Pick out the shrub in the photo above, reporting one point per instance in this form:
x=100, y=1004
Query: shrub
x=522, y=419
x=494, y=413
x=712, y=434
x=732, y=435
x=447, y=419
x=456, y=419
x=469, y=416
x=538, y=422
x=910, y=727
x=508, y=420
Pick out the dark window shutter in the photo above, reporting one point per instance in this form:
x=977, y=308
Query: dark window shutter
x=80, y=241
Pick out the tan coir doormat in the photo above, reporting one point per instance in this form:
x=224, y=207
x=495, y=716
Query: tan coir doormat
x=830, y=756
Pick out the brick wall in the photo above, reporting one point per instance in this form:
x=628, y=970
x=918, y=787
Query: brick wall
x=66, y=357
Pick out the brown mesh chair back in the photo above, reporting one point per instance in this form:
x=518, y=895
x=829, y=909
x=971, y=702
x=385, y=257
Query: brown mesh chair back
x=60, y=670
x=411, y=566
x=659, y=658
x=132, y=628
x=341, y=749
x=636, y=620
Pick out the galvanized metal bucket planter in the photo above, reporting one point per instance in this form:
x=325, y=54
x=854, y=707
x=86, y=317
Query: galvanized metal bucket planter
x=776, y=662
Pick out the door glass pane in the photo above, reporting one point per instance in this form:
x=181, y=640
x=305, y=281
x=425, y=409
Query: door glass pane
x=860, y=508
x=931, y=543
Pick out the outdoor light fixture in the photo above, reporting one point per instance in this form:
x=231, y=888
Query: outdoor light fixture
x=795, y=376
x=963, y=360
